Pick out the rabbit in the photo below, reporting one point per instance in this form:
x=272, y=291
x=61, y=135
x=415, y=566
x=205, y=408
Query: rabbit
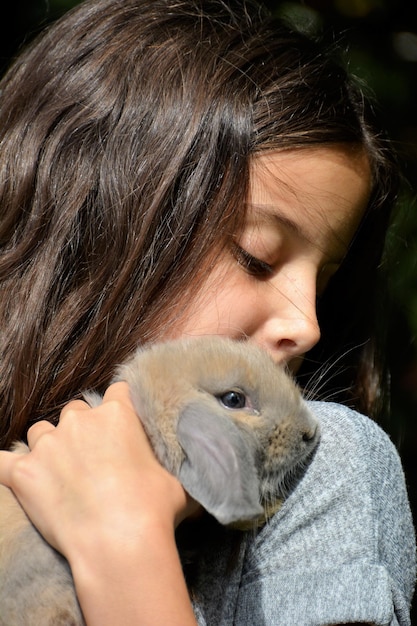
x=220, y=415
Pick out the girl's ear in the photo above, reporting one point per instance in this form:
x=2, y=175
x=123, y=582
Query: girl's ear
x=219, y=469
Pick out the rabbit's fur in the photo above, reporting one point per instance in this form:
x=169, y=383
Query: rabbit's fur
x=234, y=461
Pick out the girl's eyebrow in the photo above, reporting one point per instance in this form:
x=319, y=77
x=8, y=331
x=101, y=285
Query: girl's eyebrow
x=273, y=215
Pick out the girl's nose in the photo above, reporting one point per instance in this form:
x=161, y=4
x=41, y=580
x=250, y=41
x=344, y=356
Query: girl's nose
x=290, y=327
x=286, y=339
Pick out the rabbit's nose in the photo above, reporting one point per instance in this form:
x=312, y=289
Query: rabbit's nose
x=309, y=435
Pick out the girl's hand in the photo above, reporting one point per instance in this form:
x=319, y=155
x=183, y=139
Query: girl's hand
x=95, y=470
x=94, y=489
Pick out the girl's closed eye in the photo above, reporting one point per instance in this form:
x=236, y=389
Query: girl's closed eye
x=251, y=264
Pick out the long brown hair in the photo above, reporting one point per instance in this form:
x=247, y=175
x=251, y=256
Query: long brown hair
x=126, y=133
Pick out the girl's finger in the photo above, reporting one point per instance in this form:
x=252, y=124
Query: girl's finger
x=74, y=405
x=117, y=391
x=38, y=430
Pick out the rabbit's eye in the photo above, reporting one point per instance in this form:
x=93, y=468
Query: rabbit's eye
x=233, y=399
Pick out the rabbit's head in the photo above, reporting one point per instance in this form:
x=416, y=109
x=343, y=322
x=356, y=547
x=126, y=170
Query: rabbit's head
x=224, y=418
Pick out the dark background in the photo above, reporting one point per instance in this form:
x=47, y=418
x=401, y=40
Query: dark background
x=380, y=39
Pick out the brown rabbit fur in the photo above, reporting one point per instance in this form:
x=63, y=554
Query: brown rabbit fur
x=220, y=415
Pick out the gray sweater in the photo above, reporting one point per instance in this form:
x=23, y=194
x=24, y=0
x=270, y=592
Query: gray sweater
x=340, y=550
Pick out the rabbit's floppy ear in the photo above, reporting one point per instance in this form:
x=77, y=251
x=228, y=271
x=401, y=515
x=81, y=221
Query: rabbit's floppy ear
x=219, y=469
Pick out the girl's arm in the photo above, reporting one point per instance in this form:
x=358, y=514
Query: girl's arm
x=95, y=491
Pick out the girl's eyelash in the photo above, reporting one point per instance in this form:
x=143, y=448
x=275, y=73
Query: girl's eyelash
x=253, y=265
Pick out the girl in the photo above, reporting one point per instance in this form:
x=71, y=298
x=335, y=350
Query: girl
x=180, y=167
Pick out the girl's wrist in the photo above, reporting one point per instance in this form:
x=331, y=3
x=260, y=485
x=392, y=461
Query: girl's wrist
x=145, y=570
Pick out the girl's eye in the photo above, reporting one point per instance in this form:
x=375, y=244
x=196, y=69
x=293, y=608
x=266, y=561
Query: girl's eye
x=233, y=399
x=251, y=264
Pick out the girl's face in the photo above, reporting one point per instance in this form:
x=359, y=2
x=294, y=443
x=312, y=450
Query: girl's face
x=304, y=208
